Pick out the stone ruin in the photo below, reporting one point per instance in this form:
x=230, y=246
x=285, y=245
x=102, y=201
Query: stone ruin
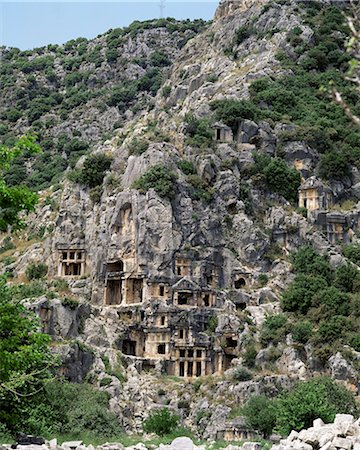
x=317, y=198
x=168, y=317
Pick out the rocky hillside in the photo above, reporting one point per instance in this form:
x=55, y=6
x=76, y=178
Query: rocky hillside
x=74, y=96
x=208, y=250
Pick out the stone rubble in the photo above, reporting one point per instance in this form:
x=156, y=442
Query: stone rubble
x=180, y=443
x=344, y=434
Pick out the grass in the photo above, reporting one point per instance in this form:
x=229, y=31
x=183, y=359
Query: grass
x=129, y=440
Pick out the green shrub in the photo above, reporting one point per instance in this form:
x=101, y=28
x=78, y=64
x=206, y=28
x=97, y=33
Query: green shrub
x=7, y=245
x=93, y=171
x=212, y=324
x=282, y=179
x=260, y=414
x=95, y=194
x=161, y=422
x=36, y=271
x=263, y=279
x=330, y=301
x=199, y=131
x=354, y=341
x=316, y=398
x=298, y=296
x=71, y=409
x=105, y=381
x=166, y=91
x=201, y=189
x=242, y=374
x=159, y=59
x=187, y=167
x=302, y=331
x=160, y=178
x=243, y=33
x=232, y=112
x=31, y=290
x=347, y=278
x=274, y=329
x=183, y=404
x=308, y=262
x=138, y=147
x=334, y=165
x=352, y=252
x=249, y=355
x=70, y=303
x=333, y=328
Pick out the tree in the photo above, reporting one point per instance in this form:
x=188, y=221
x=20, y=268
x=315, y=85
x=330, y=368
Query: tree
x=25, y=358
x=260, y=414
x=93, y=171
x=16, y=199
x=320, y=397
x=161, y=422
x=353, y=20
x=298, y=296
x=308, y=262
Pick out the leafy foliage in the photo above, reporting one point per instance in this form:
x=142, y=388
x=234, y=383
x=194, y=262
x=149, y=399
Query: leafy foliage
x=161, y=422
x=273, y=329
x=198, y=130
x=16, y=199
x=298, y=296
x=308, y=262
x=71, y=409
x=242, y=374
x=296, y=409
x=25, y=359
x=93, y=171
x=160, y=178
x=278, y=176
x=260, y=413
x=316, y=398
x=36, y=271
x=232, y=112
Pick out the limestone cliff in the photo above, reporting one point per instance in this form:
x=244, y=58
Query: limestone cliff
x=181, y=284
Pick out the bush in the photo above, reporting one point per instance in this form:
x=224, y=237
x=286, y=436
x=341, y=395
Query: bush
x=93, y=171
x=138, y=147
x=199, y=130
x=250, y=356
x=308, y=262
x=352, y=252
x=232, y=112
x=161, y=422
x=241, y=374
x=7, y=245
x=279, y=177
x=160, y=178
x=334, y=165
x=201, y=189
x=347, y=278
x=72, y=409
x=333, y=328
x=302, y=331
x=298, y=296
x=243, y=33
x=330, y=301
x=187, y=167
x=273, y=329
x=260, y=414
x=36, y=271
x=318, y=398
x=166, y=91
x=354, y=341
x=263, y=279
x=70, y=303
